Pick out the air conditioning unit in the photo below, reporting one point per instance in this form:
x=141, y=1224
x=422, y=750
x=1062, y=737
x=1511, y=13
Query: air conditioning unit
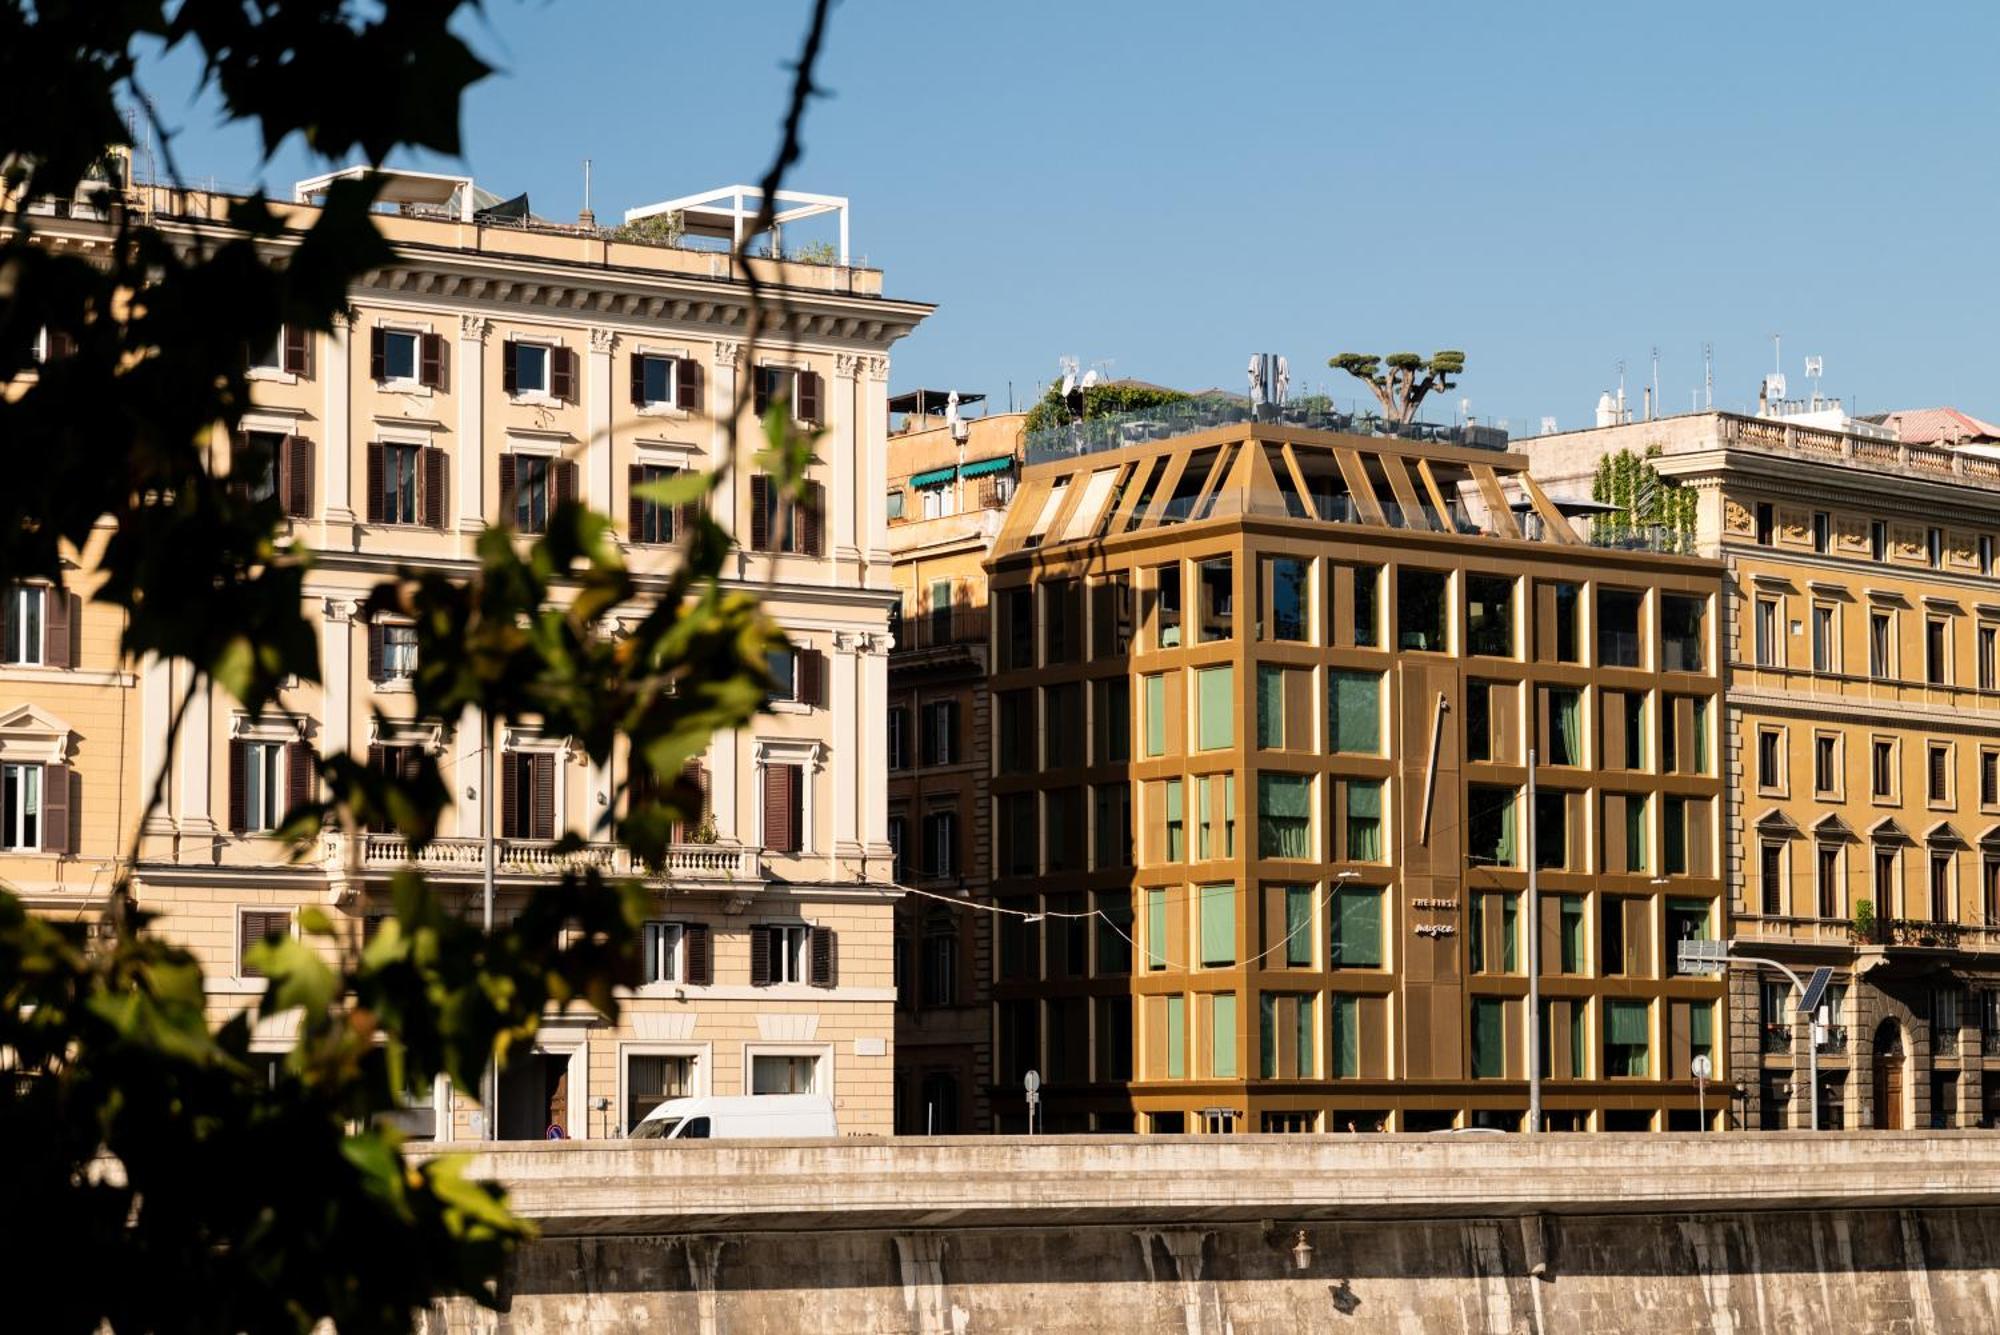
x=960, y=429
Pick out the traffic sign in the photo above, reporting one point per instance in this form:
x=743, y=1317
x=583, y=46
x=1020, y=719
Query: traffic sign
x=1700, y=1068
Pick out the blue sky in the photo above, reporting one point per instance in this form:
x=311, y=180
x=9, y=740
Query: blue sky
x=1166, y=187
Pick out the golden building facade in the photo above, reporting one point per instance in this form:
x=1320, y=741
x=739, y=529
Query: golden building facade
x=491, y=372
x=1864, y=754
x=1264, y=701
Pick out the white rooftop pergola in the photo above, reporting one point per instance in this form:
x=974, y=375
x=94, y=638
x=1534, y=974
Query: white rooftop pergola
x=433, y=189
x=727, y=213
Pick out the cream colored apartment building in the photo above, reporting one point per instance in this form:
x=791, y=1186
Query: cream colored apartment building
x=1862, y=644
x=494, y=369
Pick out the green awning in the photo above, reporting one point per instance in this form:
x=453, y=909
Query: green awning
x=982, y=467
x=937, y=477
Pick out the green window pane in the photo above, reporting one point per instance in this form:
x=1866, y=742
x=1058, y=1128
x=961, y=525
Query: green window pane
x=1510, y=933
x=1578, y=1031
x=1156, y=716
x=1476, y=932
x=1284, y=816
x=1218, y=924
x=1176, y=822
x=1572, y=933
x=1355, y=712
x=1489, y=1044
x=1701, y=1028
x=1635, y=833
x=1673, y=838
x=1298, y=926
x=1204, y=815
x=1701, y=734
x=1156, y=929
x=1357, y=940
x=1346, y=1036
x=1270, y=707
x=1216, y=687
x=1625, y=1022
x=1566, y=736
x=1222, y=1036
x=1176, y=1038
x=1305, y=1039
x=1267, y=1036
x=1229, y=815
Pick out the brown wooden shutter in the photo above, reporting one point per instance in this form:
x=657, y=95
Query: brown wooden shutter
x=378, y=369
x=543, y=779
x=374, y=657
x=760, y=513
x=253, y=928
x=760, y=389
x=812, y=678
x=638, y=380
x=687, y=390
x=56, y=621
x=430, y=364
x=760, y=956
x=55, y=808
x=373, y=508
x=635, y=509
x=509, y=380
x=809, y=397
x=700, y=957
x=507, y=497
x=297, y=345
x=297, y=476
x=822, y=957
x=298, y=778
x=510, y=784
x=562, y=479
x=239, y=800
x=812, y=509
x=780, y=801
x=694, y=773
x=562, y=373
x=433, y=487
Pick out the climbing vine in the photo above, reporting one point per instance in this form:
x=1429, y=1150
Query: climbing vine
x=1651, y=508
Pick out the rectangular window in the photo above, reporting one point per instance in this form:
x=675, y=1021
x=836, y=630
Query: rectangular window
x=1156, y=715
x=1986, y=655
x=1222, y=1035
x=1770, y=773
x=1611, y=936
x=1017, y=627
x=1176, y=1038
x=1364, y=820
x=651, y=1080
x=1218, y=601
x=653, y=379
x=263, y=786
x=1156, y=929
x=1489, y=825
x=786, y=945
x=1636, y=825
x=1771, y=878
x=1939, y=787
x=1941, y=896
x=1878, y=540
x=1367, y=619
x=1298, y=952
x=399, y=354
x=1683, y=631
x=1114, y=931
x=1989, y=778
x=1937, y=655
x=399, y=484
x=1063, y=734
x=1113, y=826
x=1824, y=640
x=1627, y=1038
x=1285, y=1036
x=1219, y=926
x=1345, y=1021
x=1569, y=944
x=1479, y=720
x=650, y=521
x=941, y=843
x=1826, y=766
x=1766, y=523
x=940, y=735
x=1489, y=1044
x=1827, y=865
x=1569, y=637
x=783, y=1074
x=533, y=492
x=1489, y=616
x=1618, y=614
x=1635, y=730
x=1934, y=547
x=1986, y=554
x=1701, y=735
x=1354, y=712
x=1880, y=658
x=1565, y=726
x=1687, y=920
x=784, y=808
x=1767, y=632
x=660, y=960
x=1111, y=709
x=399, y=651
x=1356, y=927
x=24, y=624
x=1673, y=835
x=21, y=807
x=1215, y=699
x=1288, y=598
x=531, y=367
x=1551, y=830
x=1423, y=598
x=1885, y=884
x=1167, y=606
x=1270, y=707
x=1822, y=532
x=1284, y=816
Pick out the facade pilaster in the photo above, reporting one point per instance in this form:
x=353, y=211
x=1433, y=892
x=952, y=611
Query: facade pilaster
x=156, y=708
x=468, y=789
x=722, y=414
x=871, y=457
x=848, y=789
x=336, y=649
x=337, y=450
x=851, y=446
x=597, y=451
x=195, y=755
x=470, y=462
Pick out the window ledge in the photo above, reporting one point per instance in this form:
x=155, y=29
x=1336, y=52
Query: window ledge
x=789, y=707
x=236, y=987
x=534, y=398
x=271, y=375
x=670, y=411
x=393, y=686
x=413, y=388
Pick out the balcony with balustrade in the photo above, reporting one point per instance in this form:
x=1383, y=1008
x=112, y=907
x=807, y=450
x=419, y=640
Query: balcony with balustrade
x=452, y=858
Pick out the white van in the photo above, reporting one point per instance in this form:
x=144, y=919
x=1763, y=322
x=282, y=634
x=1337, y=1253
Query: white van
x=745, y=1117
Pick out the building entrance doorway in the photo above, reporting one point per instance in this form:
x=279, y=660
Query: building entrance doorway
x=534, y=1096
x=1889, y=1077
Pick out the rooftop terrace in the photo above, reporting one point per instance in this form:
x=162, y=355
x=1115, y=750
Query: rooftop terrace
x=1114, y=431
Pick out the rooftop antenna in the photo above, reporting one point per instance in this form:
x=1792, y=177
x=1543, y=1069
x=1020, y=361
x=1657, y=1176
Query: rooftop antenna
x=1623, y=416
x=586, y=218
x=1814, y=366
x=1655, y=401
x=1707, y=375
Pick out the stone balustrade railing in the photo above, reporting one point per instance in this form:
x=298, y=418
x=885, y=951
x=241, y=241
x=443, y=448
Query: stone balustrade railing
x=542, y=857
x=1812, y=442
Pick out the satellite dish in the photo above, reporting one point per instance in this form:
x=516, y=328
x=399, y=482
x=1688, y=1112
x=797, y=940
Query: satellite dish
x=1090, y=377
x=1069, y=383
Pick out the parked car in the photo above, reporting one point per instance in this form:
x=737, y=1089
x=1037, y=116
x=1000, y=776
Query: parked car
x=744, y=1117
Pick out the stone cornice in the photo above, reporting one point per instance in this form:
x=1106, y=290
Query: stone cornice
x=1803, y=704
